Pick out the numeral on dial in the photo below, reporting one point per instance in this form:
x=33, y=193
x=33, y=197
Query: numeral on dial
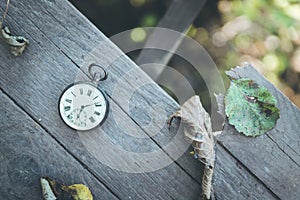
x=69, y=100
x=95, y=97
x=67, y=108
x=97, y=113
x=92, y=119
x=89, y=92
x=97, y=104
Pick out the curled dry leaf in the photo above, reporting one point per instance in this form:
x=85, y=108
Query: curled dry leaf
x=198, y=131
x=16, y=43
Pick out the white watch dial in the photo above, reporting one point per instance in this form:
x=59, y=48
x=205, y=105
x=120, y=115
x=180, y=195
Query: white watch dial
x=83, y=106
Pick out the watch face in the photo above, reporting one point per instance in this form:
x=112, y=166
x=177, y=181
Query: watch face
x=83, y=106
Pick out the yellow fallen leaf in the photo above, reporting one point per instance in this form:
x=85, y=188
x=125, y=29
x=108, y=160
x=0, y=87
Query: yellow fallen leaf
x=79, y=192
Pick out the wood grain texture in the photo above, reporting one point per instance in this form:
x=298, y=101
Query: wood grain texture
x=35, y=154
x=227, y=186
x=274, y=157
x=123, y=73
x=44, y=72
x=61, y=41
x=80, y=41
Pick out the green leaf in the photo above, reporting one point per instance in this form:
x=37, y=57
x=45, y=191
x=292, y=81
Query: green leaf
x=251, y=109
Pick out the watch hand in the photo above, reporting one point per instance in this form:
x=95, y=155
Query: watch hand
x=86, y=106
x=81, y=109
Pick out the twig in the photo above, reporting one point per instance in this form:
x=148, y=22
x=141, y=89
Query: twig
x=5, y=13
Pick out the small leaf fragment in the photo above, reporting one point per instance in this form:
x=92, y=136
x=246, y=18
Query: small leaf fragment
x=221, y=106
x=48, y=193
x=250, y=108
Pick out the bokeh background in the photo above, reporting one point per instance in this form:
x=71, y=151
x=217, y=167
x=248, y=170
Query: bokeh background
x=265, y=33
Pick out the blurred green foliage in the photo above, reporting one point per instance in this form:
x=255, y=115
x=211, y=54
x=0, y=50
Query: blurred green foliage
x=265, y=33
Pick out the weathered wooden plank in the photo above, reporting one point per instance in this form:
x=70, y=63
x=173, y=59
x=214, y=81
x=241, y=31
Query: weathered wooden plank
x=233, y=181
x=27, y=153
x=274, y=157
x=68, y=35
x=48, y=66
x=46, y=83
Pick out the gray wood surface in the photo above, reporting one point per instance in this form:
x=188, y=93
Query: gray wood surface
x=28, y=152
x=38, y=85
x=228, y=186
x=62, y=41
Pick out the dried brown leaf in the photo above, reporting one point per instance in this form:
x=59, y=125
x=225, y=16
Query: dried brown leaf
x=198, y=129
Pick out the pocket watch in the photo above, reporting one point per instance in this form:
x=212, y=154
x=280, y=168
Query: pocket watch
x=82, y=105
